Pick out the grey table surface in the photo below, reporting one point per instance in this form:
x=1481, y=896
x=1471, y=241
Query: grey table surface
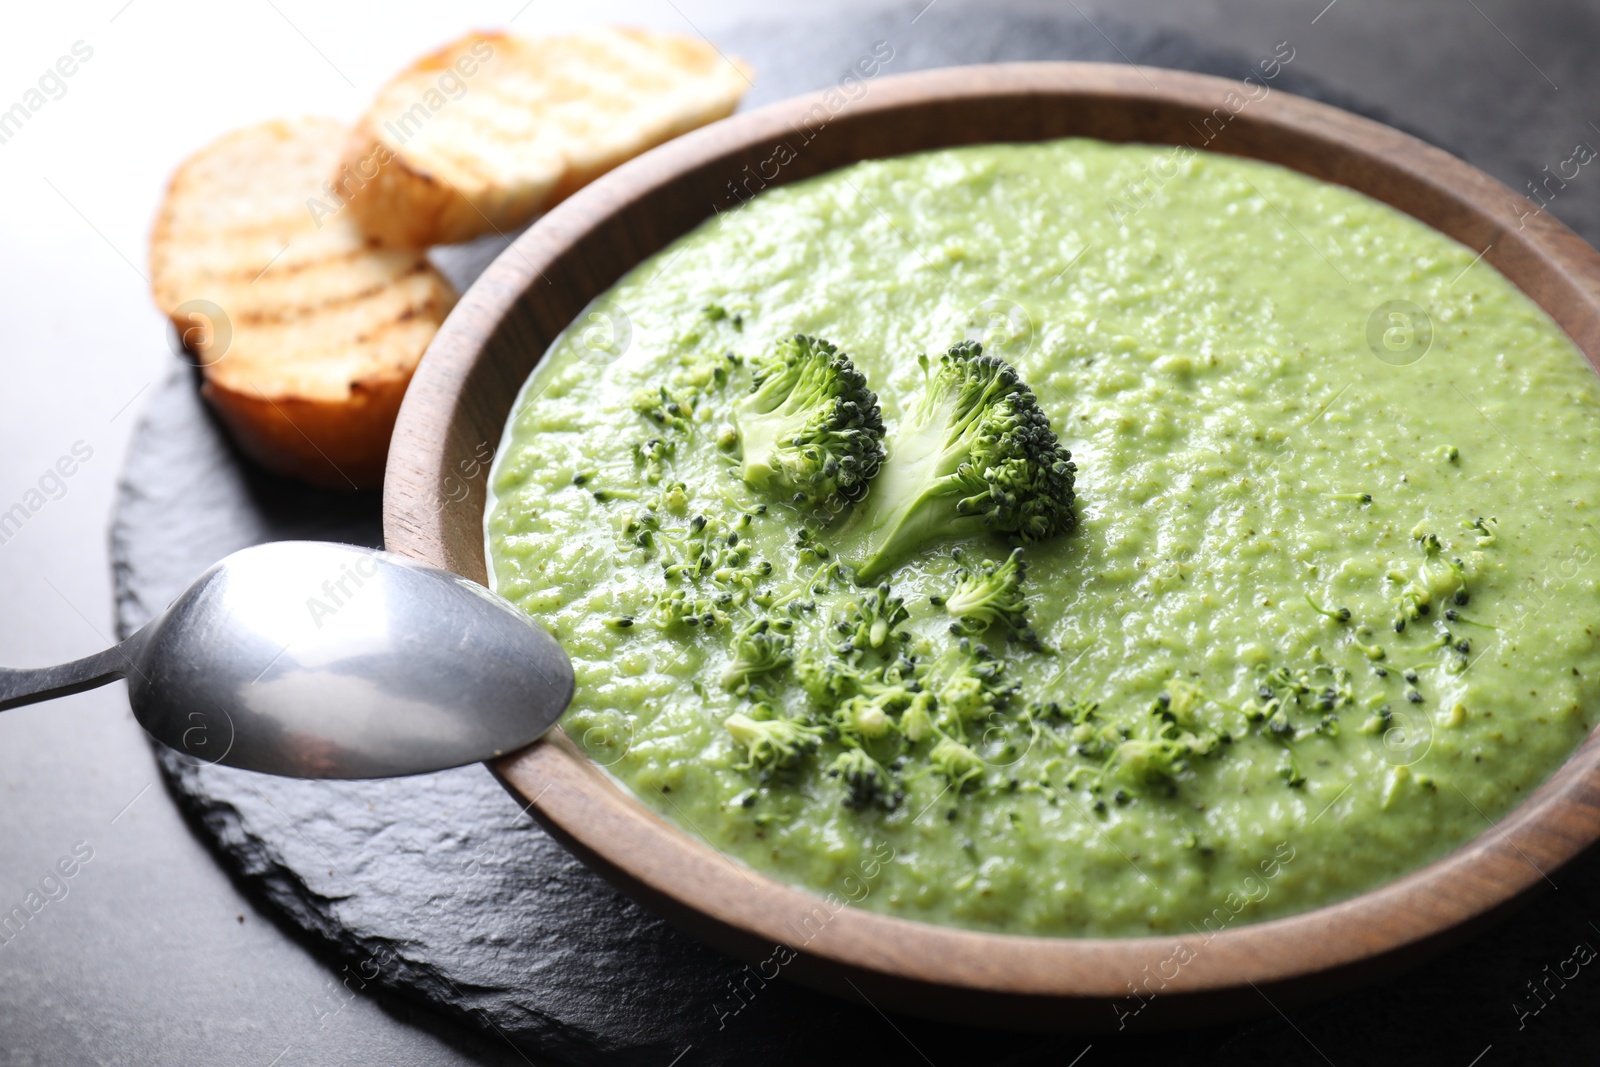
x=149, y=953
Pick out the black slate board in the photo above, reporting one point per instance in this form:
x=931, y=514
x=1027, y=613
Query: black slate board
x=439, y=888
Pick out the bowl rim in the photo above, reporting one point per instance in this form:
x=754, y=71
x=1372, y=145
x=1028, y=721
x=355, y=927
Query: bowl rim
x=1023, y=980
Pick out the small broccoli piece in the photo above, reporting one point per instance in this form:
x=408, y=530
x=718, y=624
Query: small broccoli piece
x=1290, y=772
x=704, y=370
x=866, y=781
x=809, y=546
x=863, y=717
x=881, y=695
x=673, y=406
x=968, y=685
x=871, y=621
x=1452, y=615
x=863, y=699
x=1442, y=638
x=1073, y=712
x=826, y=677
x=717, y=313
x=811, y=427
x=989, y=593
x=916, y=721
x=673, y=498
x=680, y=607
x=1438, y=577
x=956, y=762
x=866, y=703
x=707, y=547
x=758, y=649
x=668, y=408
x=652, y=455
x=1336, y=614
x=1163, y=754
x=1412, y=602
x=1486, y=535
x=975, y=455
x=707, y=567
x=1442, y=576
x=697, y=549
x=641, y=529
x=1320, y=686
x=771, y=743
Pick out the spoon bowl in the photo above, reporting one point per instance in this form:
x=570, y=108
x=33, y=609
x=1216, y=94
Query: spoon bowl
x=317, y=660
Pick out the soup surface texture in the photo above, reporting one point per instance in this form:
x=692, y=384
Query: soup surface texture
x=1301, y=420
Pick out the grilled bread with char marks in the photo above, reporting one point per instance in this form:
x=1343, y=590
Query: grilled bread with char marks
x=490, y=130
x=307, y=331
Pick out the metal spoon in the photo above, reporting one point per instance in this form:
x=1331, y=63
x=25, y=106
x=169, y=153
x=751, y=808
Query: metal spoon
x=316, y=660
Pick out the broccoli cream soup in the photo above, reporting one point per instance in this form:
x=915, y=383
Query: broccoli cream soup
x=957, y=536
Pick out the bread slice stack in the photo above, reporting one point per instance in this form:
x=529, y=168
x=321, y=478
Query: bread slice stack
x=291, y=255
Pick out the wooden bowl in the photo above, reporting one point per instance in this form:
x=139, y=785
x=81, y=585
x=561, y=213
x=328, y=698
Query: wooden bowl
x=462, y=395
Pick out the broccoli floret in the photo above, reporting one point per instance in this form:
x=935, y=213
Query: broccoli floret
x=1336, y=614
x=865, y=780
x=1322, y=686
x=826, y=677
x=1484, y=527
x=862, y=717
x=811, y=427
x=916, y=721
x=878, y=695
x=1452, y=615
x=1075, y=712
x=1290, y=772
x=837, y=681
x=672, y=498
x=956, y=762
x=867, y=702
x=1163, y=754
x=673, y=406
x=810, y=547
x=758, y=649
x=706, y=564
x=989, y=593
x=652, y=455
x=976, y=454
x=1373, y=651
x=968, y=685
x=771, y=743
x=1441, y=575
x=707, y=547
x=682, y=607
x=668, y=408
x=871, y=621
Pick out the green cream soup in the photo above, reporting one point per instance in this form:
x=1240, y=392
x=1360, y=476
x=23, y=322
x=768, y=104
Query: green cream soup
x=1335, y=543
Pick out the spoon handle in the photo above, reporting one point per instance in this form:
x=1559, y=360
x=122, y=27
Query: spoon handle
x=29, y=685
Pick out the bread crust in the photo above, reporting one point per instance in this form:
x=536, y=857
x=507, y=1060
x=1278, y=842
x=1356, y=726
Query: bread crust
x=331, y=444
x=306, y=331
x=533, y=123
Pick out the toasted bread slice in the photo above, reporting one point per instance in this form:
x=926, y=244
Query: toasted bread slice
x=306, y=331
x=488, y=131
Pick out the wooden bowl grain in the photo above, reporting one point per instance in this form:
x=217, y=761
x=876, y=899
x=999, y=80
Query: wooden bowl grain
x=462, y=395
